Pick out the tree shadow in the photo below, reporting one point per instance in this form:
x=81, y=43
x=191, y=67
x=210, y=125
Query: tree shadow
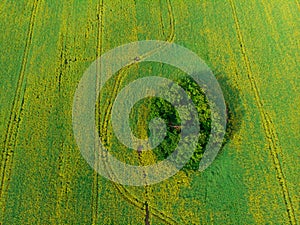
x=234, y=106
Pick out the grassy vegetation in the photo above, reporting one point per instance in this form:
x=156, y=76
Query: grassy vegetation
x=253, y=49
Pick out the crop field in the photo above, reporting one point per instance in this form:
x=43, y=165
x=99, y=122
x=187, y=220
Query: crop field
x=252, y=48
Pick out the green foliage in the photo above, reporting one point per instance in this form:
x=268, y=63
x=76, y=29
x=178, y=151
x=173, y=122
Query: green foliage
x=164, y=110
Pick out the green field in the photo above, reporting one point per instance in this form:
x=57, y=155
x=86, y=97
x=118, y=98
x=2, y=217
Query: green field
x=253, y=48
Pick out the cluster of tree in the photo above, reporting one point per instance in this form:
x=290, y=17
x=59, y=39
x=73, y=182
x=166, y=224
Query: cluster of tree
x=164, y=110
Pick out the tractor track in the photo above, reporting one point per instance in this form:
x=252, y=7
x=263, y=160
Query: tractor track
x=95, y=194
x=269, y=128
x=130, y=198
x=161, y=19
x=16, y=109
x=63, y=165
x=121, y=189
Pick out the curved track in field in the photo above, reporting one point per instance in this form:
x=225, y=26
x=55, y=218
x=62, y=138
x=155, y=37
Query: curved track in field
x=16, y=109
x=121, y=189
x=268, y=125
